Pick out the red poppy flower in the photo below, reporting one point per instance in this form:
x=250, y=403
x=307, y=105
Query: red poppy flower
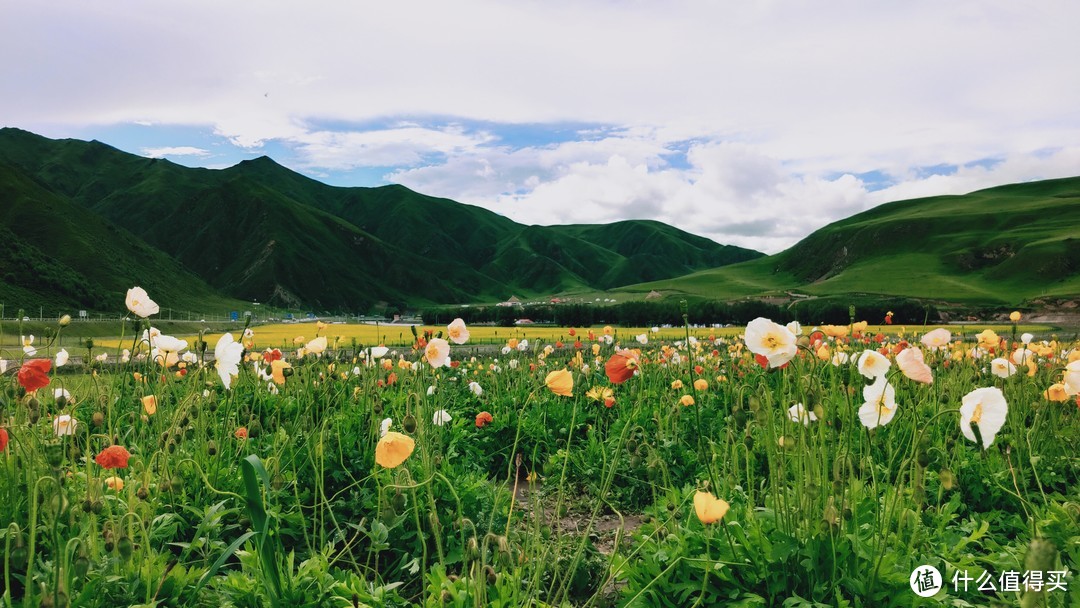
x=698, y=369
x=578, y=345
x=483, y=418
x=34, y=374
x=241, y=433
x=455, y=364
x=609, y=402
x=113, y=457
x=391, y=379
x=572, y=332
x=558, y=344
x=271, y=354
x=3, y=439
x=620, y=367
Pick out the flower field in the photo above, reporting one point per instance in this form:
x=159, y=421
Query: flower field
x=765, y=465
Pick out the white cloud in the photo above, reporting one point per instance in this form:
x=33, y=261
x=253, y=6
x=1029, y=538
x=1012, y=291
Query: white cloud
x=174, y=151
x=405, y=145
x=731, y=192
x=784, y=102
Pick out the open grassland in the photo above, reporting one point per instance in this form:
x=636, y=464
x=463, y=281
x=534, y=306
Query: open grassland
x=343, y=335
x=746, y=467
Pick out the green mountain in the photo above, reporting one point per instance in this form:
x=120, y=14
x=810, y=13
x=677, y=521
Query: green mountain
x=58, y=255
x=1002, y=245
x=258, y=231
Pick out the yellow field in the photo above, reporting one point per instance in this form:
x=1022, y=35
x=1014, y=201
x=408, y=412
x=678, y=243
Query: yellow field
x=289, y=334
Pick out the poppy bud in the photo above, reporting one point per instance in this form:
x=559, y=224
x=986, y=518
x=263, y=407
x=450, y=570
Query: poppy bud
x=98, y=419
x=831, y=516
x=409, y=423
x=97, y=506
x=492, y=577
x=919, y=494
x=124, y=547
x=946, y=478
x=472, y=548
x=142, y=493
x=211, y=447
x=81, y=565
x=54, y=454
x=923, y=458
x=398, y=501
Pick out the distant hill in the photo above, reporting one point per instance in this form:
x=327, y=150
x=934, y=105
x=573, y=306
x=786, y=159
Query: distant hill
x=258, y=231
x=1001, y=245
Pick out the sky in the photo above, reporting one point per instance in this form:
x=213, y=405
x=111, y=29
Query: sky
x=752, y=123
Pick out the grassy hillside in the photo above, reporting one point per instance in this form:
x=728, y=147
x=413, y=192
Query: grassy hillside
x=257, y=231
x=58, y=255
x=1002, y=245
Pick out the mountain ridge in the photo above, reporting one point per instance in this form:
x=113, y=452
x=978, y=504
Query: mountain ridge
x=259, y=231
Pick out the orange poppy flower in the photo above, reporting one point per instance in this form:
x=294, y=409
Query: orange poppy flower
x=113, y=457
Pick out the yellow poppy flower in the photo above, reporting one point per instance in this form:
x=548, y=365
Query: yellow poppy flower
x=709, y=508
x=560, y=382
x=393, y=449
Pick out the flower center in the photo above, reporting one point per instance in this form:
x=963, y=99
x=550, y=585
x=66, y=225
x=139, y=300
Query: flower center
x=771, y=341
x=976, y=416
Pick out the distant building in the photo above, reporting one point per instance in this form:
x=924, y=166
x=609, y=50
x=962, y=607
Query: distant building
x=513, y=301
x=523, y=322
x=654, y=295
